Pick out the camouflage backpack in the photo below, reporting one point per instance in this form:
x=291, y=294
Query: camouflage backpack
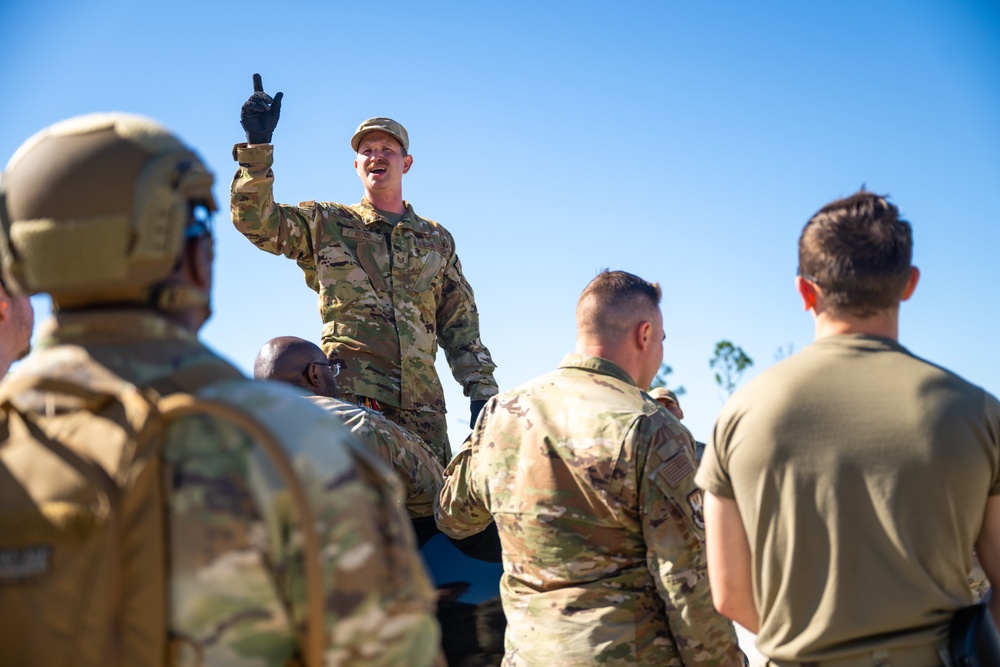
x=82, y=504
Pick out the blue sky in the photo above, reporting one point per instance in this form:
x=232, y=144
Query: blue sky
x=685, y=142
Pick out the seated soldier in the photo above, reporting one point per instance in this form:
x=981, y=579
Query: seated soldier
x=302, y=364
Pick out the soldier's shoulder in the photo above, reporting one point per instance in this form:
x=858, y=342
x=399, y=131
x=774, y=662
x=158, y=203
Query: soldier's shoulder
x=305, y=431
x=345, y=211
x=433, y=228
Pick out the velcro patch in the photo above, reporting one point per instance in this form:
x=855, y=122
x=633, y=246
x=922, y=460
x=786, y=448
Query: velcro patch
x=696, y=501
x=24, y=564
x=677, y=468
x=362, y=235
x=431, y=244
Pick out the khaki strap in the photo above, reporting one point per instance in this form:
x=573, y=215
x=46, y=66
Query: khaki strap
x=178, y=406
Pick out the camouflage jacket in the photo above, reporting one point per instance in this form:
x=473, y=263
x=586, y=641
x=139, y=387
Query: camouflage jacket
x=387, y=294
x=591, y=486
x=403, y=452
x=234, y=583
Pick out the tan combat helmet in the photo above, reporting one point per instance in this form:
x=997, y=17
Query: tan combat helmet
x=94, y=209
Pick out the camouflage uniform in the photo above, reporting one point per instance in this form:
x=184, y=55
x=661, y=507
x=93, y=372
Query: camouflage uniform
x=978, y=582
x=235, y=582
x=591, y=485
x=388, y=294
x=399, y=449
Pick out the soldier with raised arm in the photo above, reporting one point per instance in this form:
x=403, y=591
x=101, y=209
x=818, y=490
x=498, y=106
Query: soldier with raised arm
x=390, y=283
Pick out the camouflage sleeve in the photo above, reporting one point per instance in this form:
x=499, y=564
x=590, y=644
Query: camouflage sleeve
x=673, y=529
x=406, y=454
x=380, y=600
x=275, y=228
x=458, y=333
x=460, y=510
x=225, y=603
x=378, y=597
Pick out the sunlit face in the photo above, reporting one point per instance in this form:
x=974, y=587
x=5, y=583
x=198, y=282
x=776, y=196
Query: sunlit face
x=380, y=162
x=24, y=320
x=325, y=376
x=672, y=408
x=18, y=319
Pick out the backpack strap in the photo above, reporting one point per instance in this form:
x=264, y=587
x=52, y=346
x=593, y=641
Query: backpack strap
x=179, y=406
x=147, y=416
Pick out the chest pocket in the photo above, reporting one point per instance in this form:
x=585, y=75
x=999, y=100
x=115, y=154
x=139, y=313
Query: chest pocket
x=432, y=266
x=366, y=256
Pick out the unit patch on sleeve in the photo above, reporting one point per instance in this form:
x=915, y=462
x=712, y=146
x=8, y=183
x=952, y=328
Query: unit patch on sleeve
x=696, y=501
x=19, y=565
x=677, y=468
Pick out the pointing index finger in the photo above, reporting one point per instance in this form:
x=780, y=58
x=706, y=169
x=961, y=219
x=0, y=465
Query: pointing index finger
x=258, y=87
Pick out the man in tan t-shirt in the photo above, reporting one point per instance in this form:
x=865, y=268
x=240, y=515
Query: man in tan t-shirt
x=846, y=486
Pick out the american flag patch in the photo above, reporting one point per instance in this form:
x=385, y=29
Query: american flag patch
x=677, y=468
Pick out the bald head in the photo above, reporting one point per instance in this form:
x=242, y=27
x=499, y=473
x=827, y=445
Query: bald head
x=298, y=362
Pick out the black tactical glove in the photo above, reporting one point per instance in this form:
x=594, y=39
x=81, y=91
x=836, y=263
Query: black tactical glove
x=475, y=407
x=259, y=115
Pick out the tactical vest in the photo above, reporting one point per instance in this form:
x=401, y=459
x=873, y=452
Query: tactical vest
x=75, y=461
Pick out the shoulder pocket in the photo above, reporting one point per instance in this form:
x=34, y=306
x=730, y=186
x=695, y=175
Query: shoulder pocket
x=432, y=266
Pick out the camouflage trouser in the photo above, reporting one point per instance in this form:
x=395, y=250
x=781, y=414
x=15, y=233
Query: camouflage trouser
x=430, y=426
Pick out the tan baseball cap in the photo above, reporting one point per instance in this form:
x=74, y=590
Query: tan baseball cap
x=385, y=125
x=664, y=393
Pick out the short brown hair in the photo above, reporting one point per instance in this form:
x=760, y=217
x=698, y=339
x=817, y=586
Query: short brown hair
x=858, y=252
x=614, y=302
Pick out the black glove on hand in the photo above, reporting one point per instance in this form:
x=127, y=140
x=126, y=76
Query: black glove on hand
x=259, y=115
x=475, y=407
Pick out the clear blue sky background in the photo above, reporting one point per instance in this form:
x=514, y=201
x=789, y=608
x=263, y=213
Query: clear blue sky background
x=685, y=142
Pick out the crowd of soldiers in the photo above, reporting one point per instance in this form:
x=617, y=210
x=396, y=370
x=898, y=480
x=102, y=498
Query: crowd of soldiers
x=283, y=516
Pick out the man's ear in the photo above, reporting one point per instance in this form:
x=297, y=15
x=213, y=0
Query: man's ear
x=911, y=283
x=198, y=256
x=312, y=374
x=808, y=293
x=643, y=334
x=407, y=163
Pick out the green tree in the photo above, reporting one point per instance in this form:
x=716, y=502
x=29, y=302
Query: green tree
x=661, y=380
x=784, y=352
x=729, y=362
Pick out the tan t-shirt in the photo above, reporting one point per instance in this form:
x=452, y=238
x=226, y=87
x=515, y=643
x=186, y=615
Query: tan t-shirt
x=861, y=473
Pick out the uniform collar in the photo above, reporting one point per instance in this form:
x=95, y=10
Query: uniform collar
x=594, y=364
x=371, y=216
x=110, y=326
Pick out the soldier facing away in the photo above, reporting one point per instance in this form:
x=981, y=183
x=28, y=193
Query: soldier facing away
x=591, y=486
x=847, y=484
x=109, y=214
x=390, y=283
